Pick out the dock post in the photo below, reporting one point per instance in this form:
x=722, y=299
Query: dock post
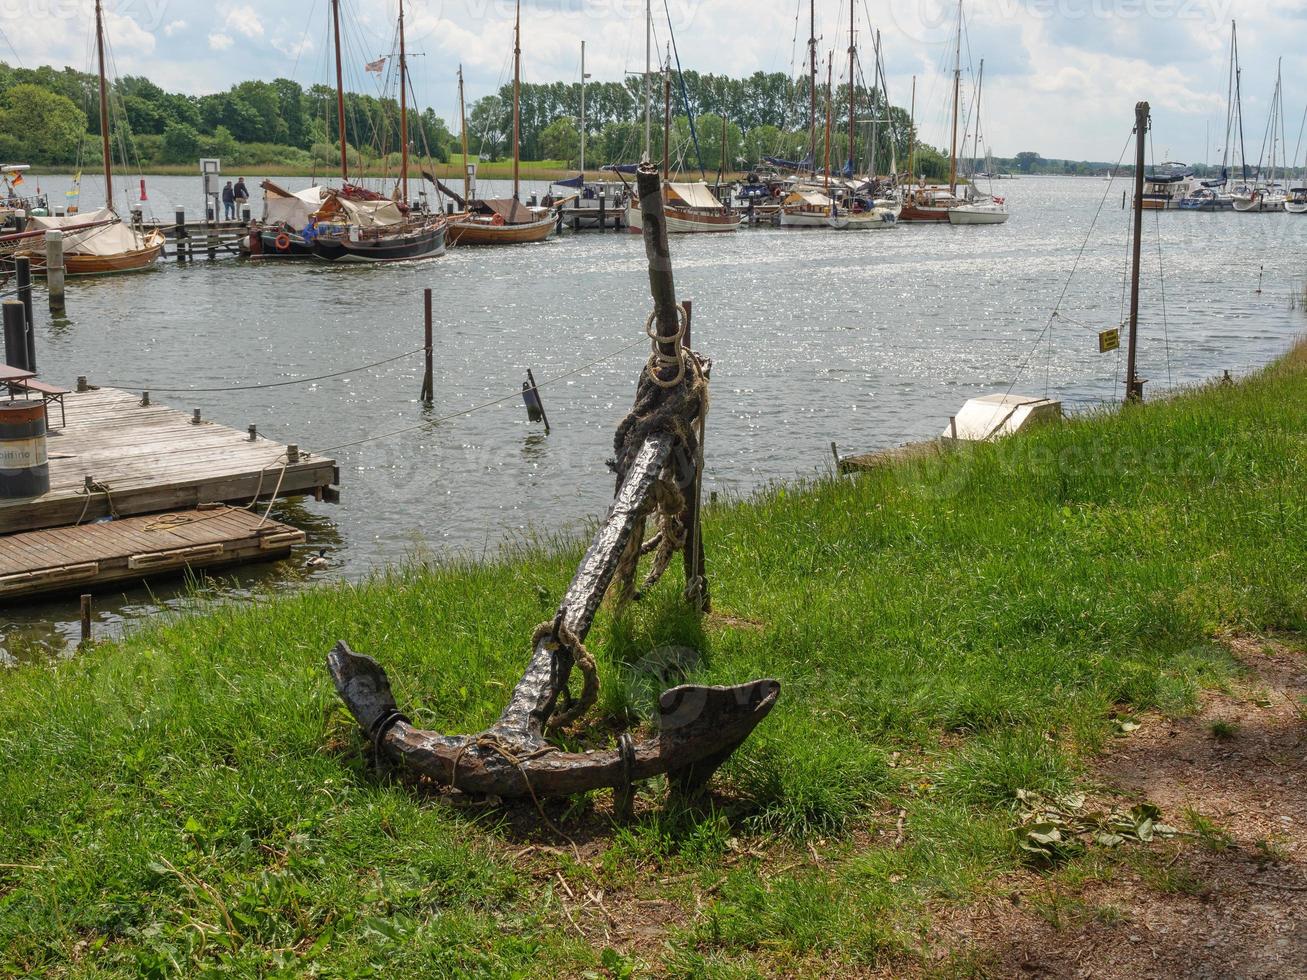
x=603, y=212
x=15, y=332
x=293, y=453
x=82, y=384
x=86, y=619
x=145, y=399
x=180, y=236
x=953, y=427
x=428, y=387
x=23, y=275
x=54, y=270
x=195, y=416
x=211, y=241
x=254, y=433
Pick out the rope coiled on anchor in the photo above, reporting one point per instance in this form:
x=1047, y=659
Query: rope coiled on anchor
x=556, y=637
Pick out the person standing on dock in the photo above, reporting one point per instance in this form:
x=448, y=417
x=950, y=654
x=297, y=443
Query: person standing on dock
x=241, y=195
x=228, y=202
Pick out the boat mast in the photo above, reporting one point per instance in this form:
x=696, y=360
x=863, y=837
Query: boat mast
x=104, y=107
x=462, y=119
x=517, y=94
x=912, y=133
x=812, y=84
x=853, y=55
x=980, y=81
x=1134, y=387
x=648, y=69
x=957, y=84
x=1238, y=97
x=340, y=93
x=667, y=119
x=830, y=68
x=584, y=76
x=403, y=109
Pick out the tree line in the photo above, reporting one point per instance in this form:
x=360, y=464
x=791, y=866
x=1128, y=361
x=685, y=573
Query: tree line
x=50, y=116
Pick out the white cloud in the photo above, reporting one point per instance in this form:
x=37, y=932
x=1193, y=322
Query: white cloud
x=220, y=42
x=244, y=20
x=173, y=27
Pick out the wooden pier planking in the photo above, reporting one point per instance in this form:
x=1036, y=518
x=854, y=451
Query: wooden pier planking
x=153, y=458
x=93, y=556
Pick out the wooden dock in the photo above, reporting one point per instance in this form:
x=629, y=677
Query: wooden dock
x=118, y=457
x=93, y=556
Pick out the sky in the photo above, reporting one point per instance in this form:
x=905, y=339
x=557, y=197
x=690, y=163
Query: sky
x=1061, y=76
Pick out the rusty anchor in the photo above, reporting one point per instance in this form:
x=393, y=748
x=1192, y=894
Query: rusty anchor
x=698, y=727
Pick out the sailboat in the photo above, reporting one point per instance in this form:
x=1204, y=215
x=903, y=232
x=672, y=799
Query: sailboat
x=353, y=225
x=1267, y=195
x=502, y=221
x=933, y=203
x=983, y=209
x=864, y=212
x=1212, y=194
x=689, y=208
x=95, y=242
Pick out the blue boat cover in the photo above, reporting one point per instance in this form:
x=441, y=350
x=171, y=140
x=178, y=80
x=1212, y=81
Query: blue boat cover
x=804, y=164
x=621, y=168
x=578, y=182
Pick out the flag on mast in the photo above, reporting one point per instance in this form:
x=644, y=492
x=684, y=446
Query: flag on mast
x=376, y=67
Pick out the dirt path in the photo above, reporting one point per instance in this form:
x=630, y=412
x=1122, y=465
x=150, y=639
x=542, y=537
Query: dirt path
x=1229, y=901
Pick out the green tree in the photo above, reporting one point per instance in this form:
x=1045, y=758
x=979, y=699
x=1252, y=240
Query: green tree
x=181, y=143
x=48, y=125
x=561, y=140
x=1026, y=160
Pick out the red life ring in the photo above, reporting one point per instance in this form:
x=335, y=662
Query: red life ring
x=498, y=219
x=282, y=242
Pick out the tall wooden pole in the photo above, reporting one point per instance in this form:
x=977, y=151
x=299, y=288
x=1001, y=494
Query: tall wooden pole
x=517, y=96
x=1134, y=387
x=957, y=85
x=104, y=107
x=853, y=55
x=667, y=123
x=648, y=79
x=462, y=120
x=812, y=83
x=912, y=133
x=830, y=69
x=403, y=108
x=340, y=93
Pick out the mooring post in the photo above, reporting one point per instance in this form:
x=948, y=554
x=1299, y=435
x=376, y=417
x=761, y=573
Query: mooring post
x=180, y=238
x=23, y=279
x=603, y=212
x=1134, y=385
x=428, y=390
x=54, y=270
x=86, y=619
x=15, y=334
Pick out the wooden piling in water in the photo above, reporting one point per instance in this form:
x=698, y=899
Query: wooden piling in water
x=428, y=384
x=54, y=270
x=86, y=619
x=23, y=278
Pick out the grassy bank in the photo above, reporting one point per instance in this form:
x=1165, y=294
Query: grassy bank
x=947, y=633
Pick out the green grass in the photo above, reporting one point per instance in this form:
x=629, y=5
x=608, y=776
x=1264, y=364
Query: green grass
x=194, y=799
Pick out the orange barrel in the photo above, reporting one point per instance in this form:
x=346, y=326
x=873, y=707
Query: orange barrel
x=24, y=471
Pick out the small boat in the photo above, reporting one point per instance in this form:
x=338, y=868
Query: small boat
x=1296, y=202
x=811, y=209
x=1206, y=199
x=1167, y=185
x=982, y=211
x=95, y=243
x=1258, y=200
x=689, y=209
x=346, y=230
x=286, y=214
x=501, y=221
x=880, y=216
x=924, y=203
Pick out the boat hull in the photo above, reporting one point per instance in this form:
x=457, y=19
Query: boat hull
x=296, y=246
x=475, y=232
x=969, y=216
x=1296, y=207
x=920, y=212
x=812, y=219
x=101, y=265
x=1258, y=204
x=681, y=221
x=425, y=243
x=877, y=220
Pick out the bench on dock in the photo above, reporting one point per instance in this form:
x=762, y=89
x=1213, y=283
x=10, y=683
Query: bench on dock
x=49, y=393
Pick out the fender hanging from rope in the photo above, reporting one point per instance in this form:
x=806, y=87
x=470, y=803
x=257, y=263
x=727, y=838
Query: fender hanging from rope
x=658, y=461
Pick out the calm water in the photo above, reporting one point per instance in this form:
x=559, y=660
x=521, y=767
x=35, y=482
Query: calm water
x=865, y=339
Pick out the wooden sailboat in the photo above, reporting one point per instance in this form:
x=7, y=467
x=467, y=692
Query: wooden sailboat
x=502, y=221
x=353, y=226
x=95, y=242
x=923, y=203
x=689, y=208
x=864, y=213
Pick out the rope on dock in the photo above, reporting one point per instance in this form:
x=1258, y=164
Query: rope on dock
x=268, y=384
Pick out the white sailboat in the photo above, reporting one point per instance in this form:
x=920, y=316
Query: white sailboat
x=985, y=209
x=1268, y=195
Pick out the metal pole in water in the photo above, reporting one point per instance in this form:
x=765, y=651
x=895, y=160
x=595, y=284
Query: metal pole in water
x=54, y=270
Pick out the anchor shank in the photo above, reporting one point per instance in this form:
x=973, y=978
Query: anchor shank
x=533, y=698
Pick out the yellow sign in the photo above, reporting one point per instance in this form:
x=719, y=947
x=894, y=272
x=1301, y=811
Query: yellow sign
x=1109, y=340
